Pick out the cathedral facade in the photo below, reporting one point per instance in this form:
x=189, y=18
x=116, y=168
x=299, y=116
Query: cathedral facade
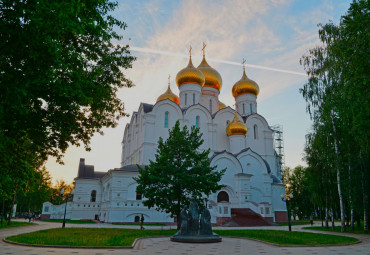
x=240, y=141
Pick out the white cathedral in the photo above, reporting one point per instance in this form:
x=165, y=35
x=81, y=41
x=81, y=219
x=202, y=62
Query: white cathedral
x=240, y=141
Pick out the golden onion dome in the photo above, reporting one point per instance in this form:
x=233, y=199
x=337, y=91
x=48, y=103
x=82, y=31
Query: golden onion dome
x=245, y=86
x=190, y=75
x=221, y=105
x=236, y=127
x=169, y=95
x=212, y=77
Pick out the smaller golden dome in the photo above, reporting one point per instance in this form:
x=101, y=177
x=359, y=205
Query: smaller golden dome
x=212, y=77
x=245, y=86
x=190, y=75
x=236, y=127
x=169, y=95
x=221, y=105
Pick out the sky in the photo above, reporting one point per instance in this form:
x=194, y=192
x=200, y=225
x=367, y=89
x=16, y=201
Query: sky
x=272, y=35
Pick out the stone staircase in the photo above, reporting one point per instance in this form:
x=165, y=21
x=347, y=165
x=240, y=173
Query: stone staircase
x=244, y=217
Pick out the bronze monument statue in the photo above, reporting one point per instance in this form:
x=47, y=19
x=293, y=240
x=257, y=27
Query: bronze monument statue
x=205, y=223
x=185, y=218
x=193, y=231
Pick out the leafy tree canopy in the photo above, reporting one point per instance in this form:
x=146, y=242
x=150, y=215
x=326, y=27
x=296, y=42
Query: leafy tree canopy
x=180, y=171
x=59, y=74
x=60, y=71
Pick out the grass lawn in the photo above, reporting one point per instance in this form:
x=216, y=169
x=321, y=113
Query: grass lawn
x=288, y=238
x=337, y=229
x=125, y=237
x=293, y=223
x=87, y=236
x=138, y=224
x=73, y=221
x=15, y=224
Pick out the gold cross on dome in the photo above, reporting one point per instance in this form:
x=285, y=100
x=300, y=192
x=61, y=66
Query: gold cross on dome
x=190, y=50
x=204, y=48
x=169, y=78
x=243, y=62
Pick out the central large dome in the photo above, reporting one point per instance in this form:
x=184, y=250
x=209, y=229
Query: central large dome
x=212, y=77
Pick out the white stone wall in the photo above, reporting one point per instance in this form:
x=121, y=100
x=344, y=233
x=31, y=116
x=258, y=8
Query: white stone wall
x=205, y=123
x=187, y=90
x=209, y=99
x=220, y=120
x=246, y=104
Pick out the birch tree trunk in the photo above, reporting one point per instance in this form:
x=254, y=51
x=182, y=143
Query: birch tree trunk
x=343, y=225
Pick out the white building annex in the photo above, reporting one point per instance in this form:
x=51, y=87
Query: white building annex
x=240, y=141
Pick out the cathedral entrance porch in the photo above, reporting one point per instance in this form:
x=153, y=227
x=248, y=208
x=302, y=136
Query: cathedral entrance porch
x=244, y=217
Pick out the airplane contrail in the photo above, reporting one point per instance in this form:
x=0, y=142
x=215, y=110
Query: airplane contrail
x=167, y=53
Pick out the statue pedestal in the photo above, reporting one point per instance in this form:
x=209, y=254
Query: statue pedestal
x=214, y=238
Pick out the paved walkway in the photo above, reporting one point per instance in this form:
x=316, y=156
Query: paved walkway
x=228, y=246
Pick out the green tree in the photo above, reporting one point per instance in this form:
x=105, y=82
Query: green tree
x=18, y=164
x=297, y=184
x=180, y=171
x=337, y=97
x=354, y=53
x=320, y=93
x=56, y=197
x=37, y=191
x=59, y=74
x=319, y=155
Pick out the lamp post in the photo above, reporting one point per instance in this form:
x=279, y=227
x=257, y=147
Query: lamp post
x=206, y=200
x=65, y=208
x=286, y=200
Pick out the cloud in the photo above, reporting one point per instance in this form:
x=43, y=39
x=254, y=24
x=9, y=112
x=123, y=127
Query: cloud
x=221, y=24
x=231, y=29
x=256, y=30
x=159, y=52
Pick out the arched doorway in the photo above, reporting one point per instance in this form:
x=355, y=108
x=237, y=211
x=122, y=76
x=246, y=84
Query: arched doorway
x=137, y=218
x=223, y=197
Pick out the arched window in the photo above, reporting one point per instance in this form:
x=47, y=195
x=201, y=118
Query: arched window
x=250, y=106
x=210, y=105
x=193, y=98
x=197, y=121
x=93, y=196
x=243, y=109
x=186, y=99
x=137, y=219
x=255, y=129
x=166, y=119
x=222, y=197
